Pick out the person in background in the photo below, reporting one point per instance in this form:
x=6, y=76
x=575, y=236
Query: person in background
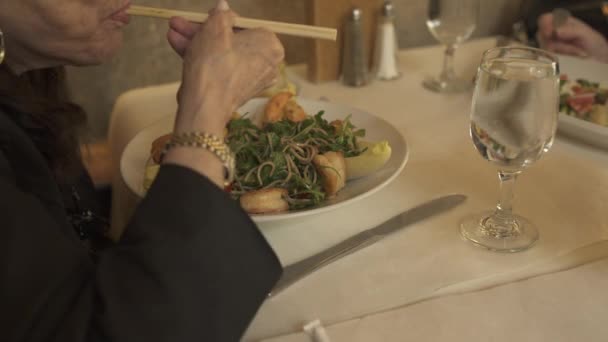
x=191, y=265
x=583, y=35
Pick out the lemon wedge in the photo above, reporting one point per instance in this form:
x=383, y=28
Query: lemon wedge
x=150, y=175
x=283, y=84
x=599, y=115
x=370, y=161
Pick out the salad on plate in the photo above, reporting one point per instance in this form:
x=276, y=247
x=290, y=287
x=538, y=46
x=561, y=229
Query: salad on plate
x=288, y=159
x=584, y=100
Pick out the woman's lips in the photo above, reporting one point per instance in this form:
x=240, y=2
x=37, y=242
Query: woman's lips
x=121, y=15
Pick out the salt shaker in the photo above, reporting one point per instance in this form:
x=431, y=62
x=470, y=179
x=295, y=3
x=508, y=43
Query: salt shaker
x=385, y=52
x=354, y=55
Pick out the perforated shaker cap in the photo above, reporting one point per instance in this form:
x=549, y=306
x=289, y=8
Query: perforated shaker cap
x=356, y=14
x=388, y=10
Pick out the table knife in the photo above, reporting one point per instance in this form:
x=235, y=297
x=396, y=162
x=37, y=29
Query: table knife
x=303, y=268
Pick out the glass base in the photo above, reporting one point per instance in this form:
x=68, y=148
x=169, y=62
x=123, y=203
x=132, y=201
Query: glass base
x=455, y=85
x=486, y=230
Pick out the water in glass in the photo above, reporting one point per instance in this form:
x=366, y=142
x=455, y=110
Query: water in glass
x=513, y=122
x=514, y=116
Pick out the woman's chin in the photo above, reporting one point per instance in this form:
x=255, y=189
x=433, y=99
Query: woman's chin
x=100, y=53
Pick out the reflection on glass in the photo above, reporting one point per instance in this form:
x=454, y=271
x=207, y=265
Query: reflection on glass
x=513, y=122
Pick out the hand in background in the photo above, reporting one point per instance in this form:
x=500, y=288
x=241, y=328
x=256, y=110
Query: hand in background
x=574, y=38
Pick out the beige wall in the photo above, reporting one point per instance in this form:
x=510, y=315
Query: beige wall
x=146, y=58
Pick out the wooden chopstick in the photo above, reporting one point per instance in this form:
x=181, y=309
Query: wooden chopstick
x=298, y=30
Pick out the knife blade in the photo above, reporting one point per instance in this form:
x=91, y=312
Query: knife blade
x=303, y=268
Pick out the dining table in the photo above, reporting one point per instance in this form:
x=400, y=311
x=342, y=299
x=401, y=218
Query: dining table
x=425, y=283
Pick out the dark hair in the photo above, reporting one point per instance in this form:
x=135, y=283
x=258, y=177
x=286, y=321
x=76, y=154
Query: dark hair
x=38, y=101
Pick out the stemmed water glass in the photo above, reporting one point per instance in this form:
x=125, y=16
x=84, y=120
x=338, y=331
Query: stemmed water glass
x=451, y=22
x=513, y=122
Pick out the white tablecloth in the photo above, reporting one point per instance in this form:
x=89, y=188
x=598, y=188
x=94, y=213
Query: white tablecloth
x=565, y=194
x=560, y=307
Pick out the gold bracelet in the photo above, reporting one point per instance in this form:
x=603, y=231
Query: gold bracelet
x=211, y=143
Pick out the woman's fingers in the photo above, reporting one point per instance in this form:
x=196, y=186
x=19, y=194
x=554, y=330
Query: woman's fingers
x=181, y=32
x=567, y=49
x=545, y=26
x=178, y=42
x=573, y=30
x=184, y=27
x=220, y=23
x=218, y=29
x=222, y=5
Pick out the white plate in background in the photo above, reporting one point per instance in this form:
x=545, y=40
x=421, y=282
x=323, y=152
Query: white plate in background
x=575, y=128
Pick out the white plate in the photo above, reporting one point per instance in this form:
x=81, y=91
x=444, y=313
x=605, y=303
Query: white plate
x=135, y=156
x=571, y=126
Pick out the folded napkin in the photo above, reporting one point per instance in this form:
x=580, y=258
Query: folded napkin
x=316, y=331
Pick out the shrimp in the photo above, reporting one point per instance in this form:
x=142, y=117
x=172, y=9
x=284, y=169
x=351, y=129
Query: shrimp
x=274, y=107
x=264, y=201
x=294, y=112
x=157, y=147
x=332, y=168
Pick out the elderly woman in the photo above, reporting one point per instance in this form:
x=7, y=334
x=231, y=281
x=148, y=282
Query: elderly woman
x=191, y=265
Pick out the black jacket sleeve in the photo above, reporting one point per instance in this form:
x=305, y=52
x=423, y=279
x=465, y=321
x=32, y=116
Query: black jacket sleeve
x=191, y=267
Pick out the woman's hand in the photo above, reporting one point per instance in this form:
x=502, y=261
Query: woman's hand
x=574, y=38
x=181, y=32
x=222, y=69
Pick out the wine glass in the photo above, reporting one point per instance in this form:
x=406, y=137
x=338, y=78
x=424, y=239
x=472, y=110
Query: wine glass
x=513, y=122
x=451, y=22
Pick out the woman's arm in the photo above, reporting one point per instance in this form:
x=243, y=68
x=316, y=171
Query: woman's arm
x=206, y=260
x=191, y=267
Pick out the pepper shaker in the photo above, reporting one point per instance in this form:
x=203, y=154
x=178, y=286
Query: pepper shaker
x=354, y=55
x=385, y=52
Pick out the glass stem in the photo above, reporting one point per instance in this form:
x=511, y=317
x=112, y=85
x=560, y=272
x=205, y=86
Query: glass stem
x=504, y=209
x=447, y=73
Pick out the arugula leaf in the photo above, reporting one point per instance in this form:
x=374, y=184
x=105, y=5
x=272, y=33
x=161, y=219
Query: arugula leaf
x=587, y=84
x=601, y=97
x=273, y=144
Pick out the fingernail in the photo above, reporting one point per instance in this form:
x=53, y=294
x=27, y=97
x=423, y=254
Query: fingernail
x=222, y=5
